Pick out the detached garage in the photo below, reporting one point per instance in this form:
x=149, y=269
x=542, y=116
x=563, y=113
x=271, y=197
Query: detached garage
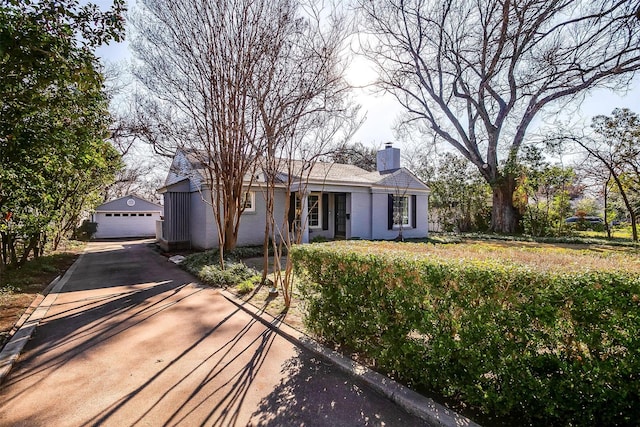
x=129, y=216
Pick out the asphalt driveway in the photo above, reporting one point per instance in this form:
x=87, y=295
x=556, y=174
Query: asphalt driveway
x=132, y=340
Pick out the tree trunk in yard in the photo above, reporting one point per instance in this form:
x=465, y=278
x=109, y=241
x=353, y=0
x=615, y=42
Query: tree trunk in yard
x=504, y=216
x=230, y=236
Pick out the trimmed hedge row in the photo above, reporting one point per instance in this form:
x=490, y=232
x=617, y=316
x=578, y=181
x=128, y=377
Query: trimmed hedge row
x=546, y=347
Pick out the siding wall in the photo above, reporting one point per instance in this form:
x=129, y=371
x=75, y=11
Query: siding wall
x=380, y=218
x=203, y=228
x=176, y=224
x=204, y=232
x=359, y=226
x=251, y=230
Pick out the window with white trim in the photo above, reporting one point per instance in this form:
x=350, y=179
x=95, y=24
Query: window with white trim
x=400, y=211
x=250, y=201
x=315, y=208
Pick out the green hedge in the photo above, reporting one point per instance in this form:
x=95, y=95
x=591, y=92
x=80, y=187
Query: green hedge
x=545, y=347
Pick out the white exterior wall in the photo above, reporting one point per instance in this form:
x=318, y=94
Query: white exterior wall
x=359, y=224
x=125, y=226
x=422, y=211
x=202, y=225
x=251, y=229
x=279, y=213
x=380, y=221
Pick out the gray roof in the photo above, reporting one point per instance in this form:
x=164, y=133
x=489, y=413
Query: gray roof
x=338, y=173
x=122, y=204
x=189, y=164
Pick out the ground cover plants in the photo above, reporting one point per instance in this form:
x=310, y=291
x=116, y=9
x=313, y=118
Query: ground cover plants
x=206, y=266
x=546, y=334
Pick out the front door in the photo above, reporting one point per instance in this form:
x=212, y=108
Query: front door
x=341, y=216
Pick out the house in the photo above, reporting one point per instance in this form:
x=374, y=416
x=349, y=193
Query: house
x=338, y=201
x=128, y=216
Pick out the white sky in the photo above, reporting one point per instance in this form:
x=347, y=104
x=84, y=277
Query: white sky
x=382, y=111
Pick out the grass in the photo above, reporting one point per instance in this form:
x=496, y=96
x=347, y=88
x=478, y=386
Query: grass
x=20, y=286
x=540, y=256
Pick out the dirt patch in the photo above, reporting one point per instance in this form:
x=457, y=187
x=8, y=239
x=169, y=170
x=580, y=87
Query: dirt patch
x=20, y=286
x=274, y=305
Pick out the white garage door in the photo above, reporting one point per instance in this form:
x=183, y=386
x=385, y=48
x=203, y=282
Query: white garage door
x=113, y=225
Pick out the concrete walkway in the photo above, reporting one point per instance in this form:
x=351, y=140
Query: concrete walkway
x=131, y=340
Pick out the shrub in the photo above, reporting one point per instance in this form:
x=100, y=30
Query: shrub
x=86, y=230
x=205, y=265
x=248, y=285
x=545, y=346
x=194, y=262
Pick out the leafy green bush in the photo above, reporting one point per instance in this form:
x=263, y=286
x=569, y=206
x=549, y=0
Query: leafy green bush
x=248, y=285
x=547, y=347
x=86, y=230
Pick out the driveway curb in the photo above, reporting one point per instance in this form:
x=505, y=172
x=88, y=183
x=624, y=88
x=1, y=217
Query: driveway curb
x=412, y=402
x=44, y=301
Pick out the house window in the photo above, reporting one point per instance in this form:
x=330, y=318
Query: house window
x=250, y=201
x=315, y=208
x=147, y=214
x=108, y=214
x=400, y=211
x=116, y=214
x=124, y=214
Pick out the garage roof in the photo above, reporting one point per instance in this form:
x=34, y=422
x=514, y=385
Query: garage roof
x=129, y=203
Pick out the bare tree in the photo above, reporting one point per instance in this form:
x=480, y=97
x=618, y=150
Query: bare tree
x=477, y=73
x=304, y=111
x=198, y=62
x=303, y=103
x=355, y=154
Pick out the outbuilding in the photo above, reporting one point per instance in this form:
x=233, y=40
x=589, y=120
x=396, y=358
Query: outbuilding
x=128, y=216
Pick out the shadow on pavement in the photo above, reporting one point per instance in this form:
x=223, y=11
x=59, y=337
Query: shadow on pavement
x=314, y=393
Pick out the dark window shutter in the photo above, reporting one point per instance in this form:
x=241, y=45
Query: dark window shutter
x=414, y=210
x=325, y=211
x=292, y=210
x=390, y=211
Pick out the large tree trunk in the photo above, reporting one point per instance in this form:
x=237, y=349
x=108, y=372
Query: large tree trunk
x=504, y=216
